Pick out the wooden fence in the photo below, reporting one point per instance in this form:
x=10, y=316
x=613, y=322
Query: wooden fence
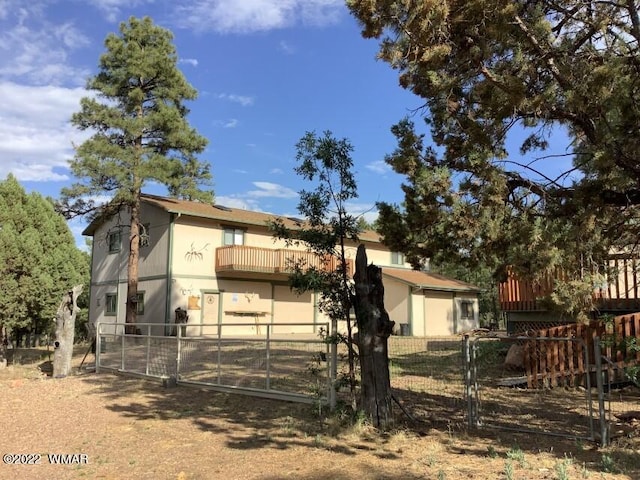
x=563, y=362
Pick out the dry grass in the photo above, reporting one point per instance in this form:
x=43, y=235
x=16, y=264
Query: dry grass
x=131, y=428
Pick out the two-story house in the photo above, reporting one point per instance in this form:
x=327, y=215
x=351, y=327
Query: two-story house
x=222, y=266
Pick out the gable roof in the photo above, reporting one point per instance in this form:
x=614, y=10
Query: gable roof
x=218, y=212
x=428, y=280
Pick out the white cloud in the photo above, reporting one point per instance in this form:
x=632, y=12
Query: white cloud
x=380, y=167
x=271, y=190
x=276, y=171
x=233, y=123
x=237, y=201
x=286, y=48
x=243, y=100
x=112, y=9
x=237, y=170
x=35, y=50
x=35, y=133
x=189, y=61
x=247, y=16
x=71, y=36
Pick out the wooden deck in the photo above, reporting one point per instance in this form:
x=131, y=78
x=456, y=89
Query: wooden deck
x=621, y=292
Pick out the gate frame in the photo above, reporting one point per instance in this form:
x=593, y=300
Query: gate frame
x=179, y=338
x=472, y=397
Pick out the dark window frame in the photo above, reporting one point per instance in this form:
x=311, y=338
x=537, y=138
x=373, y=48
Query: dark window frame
x=115, y=246
x=397, y=258
x=234, y=231
x=467, y=309
x=111, y=304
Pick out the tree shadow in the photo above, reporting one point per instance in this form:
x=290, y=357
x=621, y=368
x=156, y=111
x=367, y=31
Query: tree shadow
x=256, y=423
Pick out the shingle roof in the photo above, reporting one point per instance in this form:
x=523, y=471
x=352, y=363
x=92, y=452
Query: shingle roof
x=220, y=213
x=428, y=280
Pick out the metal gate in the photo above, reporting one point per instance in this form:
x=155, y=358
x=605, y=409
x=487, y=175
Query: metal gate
x=551, y=392
x=287, y=366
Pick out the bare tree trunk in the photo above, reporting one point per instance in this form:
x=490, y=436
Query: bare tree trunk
x=374, y=329
x=65, y=329
x=132, y=269
x=4, y=342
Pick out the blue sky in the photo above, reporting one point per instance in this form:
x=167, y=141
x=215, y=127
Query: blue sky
x=266, y=71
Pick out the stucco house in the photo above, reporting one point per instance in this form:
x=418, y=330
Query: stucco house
x=222, y=266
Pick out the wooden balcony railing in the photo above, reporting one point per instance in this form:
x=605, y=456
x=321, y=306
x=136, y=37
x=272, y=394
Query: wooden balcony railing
x=621, y=292
x=241, y=258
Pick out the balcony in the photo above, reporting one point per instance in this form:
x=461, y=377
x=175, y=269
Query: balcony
x=240, y=258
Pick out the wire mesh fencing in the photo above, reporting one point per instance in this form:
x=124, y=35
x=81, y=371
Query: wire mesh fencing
x=531, y=384
x=425, y=375
x=278, y=365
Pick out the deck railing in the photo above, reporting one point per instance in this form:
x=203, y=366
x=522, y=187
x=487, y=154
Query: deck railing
x=621, y=291
x=242, y=258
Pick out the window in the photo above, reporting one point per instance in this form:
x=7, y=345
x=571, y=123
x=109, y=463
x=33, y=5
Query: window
x=115, y=241
x=233, y=236
x=140, y=303
x=111, y=304
x=466, y=310
x=397, y=258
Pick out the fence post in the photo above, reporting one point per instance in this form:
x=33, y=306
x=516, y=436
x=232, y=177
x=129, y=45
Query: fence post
x=146, y=370
x=474, y=383
x=219, y=353
x=178, y=350
x=98, y=346
x=122, y=335
x=466, y=355
x=268, y=357
x=604, y=430
x=333, y=372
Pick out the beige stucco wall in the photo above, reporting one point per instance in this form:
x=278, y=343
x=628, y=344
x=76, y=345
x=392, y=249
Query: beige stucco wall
x=462, y=324
x=396, y=302
x=438, y=313
x=289, y=307
x=418, y=321
x=193, y=247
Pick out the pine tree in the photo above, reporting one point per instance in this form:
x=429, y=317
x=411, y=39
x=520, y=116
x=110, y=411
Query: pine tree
x=140, y=133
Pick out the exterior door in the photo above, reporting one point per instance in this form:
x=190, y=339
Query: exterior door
x=210, y=313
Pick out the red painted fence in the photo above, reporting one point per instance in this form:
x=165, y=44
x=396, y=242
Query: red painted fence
x=551, y=363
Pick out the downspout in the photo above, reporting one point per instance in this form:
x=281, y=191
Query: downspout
x=89, y=308
x=410, y=311
x=455, y=313
x=169, y=274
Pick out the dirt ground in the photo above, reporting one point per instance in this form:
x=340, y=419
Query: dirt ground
x=131, y=428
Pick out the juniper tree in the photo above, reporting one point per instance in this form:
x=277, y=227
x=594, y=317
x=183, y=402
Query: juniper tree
x=489, y=72
x=140, y=134
x=39, y=260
